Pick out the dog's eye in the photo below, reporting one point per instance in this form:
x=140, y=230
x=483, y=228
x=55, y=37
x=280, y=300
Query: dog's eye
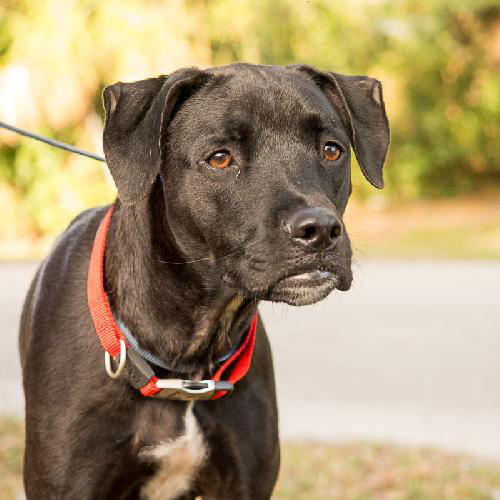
x=331, y=151
x=221, y=159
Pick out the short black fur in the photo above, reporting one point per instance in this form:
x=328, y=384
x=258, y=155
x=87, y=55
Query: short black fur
x=191, y=251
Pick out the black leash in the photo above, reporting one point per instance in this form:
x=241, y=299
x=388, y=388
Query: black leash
x=52, y=142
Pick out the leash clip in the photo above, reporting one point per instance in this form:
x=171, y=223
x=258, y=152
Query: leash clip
x=121, y=363
x=190, y=390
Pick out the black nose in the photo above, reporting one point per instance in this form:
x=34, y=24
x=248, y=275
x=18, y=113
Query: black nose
x=315, y=227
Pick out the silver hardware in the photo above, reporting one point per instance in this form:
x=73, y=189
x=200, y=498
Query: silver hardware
x=188, y=390
x=121, y=364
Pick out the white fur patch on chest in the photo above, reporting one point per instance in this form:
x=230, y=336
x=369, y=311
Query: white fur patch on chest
x=179, y=460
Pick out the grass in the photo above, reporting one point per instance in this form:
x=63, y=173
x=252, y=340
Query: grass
x=461, y=228
x=11, y=457
x=313, y=471
x=360, y=471
x=444, y=243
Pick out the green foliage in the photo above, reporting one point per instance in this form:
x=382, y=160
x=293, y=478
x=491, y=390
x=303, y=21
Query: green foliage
x=438, y=61
x=445, y=141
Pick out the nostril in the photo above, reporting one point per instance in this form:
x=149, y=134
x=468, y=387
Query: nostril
x=336, y=231
x=316, y=228
x=308, y=232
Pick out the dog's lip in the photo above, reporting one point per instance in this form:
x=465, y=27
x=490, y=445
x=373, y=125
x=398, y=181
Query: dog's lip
x=308, y=278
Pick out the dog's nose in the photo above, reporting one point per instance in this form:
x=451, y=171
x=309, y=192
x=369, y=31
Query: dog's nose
x=315, y=227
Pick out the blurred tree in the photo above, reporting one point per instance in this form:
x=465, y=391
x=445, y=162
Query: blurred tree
x=438, y=60
x=444, y=142
x=55, y=58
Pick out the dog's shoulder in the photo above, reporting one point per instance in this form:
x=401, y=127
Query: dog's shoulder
x=73, y=246
x=58, y=280
x=83, y=227
x=71, y=250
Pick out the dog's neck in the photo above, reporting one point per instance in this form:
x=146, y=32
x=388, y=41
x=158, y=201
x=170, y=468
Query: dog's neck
x=180, y=311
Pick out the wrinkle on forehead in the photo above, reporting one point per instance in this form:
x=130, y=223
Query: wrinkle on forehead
x=277, y=84
x=244, y=104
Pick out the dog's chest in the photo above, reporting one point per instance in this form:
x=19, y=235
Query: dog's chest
x=178, y=461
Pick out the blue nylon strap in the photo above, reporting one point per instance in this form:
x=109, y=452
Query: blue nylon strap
x=148, y=356
x=155, y=360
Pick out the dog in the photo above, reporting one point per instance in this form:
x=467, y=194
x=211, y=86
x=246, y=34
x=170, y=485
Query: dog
x=232, y=183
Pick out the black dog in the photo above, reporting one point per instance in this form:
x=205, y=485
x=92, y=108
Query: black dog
x=232, y=184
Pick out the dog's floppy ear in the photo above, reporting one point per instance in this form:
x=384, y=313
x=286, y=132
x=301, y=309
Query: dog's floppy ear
x=361, y=102
x=137, y=116
x=370, y=132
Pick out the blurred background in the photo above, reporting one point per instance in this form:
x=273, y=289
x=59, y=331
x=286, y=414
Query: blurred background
x=389, y=391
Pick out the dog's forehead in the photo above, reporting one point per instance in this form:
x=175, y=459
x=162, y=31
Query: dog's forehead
x=262, y=102
x=255, y=89
x=261, y=99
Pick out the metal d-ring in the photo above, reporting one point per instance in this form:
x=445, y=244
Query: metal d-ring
x=121, y=363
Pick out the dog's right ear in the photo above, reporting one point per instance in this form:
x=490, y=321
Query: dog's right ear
x=137, y=117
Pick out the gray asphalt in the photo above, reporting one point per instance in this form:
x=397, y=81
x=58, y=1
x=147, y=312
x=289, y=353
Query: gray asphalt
x=409, y=355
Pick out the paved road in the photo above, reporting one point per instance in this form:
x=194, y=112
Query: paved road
x=410, y=354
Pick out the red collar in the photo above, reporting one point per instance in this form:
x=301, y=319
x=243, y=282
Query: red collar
x=137, y=370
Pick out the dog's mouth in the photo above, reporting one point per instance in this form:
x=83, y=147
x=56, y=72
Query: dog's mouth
x=313, y=278
x=292, y=281
x=304, y=288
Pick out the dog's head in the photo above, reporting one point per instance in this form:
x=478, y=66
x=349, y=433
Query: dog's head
x=255, y=167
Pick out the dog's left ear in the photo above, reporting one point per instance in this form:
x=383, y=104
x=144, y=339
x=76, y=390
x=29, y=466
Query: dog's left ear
x=361, y=101
x=137, y=117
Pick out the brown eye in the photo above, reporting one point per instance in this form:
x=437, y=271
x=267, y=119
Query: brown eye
x=221, y=159
x=331, y=151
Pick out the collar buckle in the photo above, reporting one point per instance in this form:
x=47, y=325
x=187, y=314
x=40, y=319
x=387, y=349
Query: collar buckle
x=190, y=390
